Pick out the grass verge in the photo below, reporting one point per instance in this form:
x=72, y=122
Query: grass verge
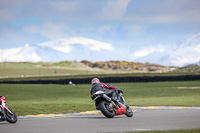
x=46, y=99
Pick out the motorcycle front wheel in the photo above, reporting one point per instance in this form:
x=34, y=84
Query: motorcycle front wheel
x=129, y=112
x=106, y=109
x=10, y=117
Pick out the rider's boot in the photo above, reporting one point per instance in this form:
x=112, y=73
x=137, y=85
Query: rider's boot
x=97, y=107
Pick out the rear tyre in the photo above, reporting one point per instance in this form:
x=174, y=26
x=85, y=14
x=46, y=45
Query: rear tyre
x=12, y=118
x=106, y=109
x=129, y=112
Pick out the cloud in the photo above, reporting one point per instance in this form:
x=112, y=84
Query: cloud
x=155, y=19
x=48, y=30
x=169, y=11
x=60, y=10
x=133, y=29
x=66, y=8
x=90, y=11
x=105, y=28
x=156, y=11
x=114, y=10
x=124, y=23
x=6, y=15
x=66, y=44
x=148, y=50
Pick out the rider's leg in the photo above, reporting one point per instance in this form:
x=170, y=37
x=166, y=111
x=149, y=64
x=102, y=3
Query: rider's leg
x=115, y=96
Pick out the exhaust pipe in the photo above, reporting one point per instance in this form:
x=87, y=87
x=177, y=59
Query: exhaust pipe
x=106, y=97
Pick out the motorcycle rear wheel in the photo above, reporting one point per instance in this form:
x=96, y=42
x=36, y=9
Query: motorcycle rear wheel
x=12, y=118
x=104, y=107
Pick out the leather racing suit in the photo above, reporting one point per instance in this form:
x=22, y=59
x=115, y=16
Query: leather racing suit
x=110, y=90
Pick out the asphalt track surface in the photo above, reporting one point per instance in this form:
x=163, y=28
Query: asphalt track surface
x=143, y=120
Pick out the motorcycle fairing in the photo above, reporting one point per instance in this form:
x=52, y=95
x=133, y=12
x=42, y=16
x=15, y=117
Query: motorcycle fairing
x=121, y=110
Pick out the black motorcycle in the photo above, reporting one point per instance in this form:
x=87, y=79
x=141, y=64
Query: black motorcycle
x=110, y=108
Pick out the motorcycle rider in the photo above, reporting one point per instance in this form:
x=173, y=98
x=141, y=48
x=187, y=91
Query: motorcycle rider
x=111, y=90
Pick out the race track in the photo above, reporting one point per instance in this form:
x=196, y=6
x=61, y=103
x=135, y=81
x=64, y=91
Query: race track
x=143, y=120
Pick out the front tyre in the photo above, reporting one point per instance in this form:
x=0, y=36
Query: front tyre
x=106, y=109
x=10, y=117
x=129, y=112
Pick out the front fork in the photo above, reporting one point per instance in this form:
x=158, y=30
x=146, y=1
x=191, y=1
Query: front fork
x=3, y=107
x=121, y=99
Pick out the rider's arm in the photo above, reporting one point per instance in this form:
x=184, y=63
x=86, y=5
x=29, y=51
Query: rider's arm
x=108, y=86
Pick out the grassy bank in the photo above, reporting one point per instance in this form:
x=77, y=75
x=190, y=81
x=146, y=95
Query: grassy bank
x=45, y=99
x=15, y=71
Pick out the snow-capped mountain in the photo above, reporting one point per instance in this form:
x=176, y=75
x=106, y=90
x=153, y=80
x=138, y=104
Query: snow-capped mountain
x=56, y=50
x=79, y=48
x=180, y=54
x=33, y=53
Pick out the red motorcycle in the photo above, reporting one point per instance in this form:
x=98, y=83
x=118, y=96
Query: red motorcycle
x=109, y=107
x=6, y=113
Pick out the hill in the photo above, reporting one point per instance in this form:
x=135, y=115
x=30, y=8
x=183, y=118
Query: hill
x=126, y=66
x=87, y=69
x=189, y=69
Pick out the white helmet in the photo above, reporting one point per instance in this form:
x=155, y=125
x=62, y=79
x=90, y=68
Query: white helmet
x=95, y=80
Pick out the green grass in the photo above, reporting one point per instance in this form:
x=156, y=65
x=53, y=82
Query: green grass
x=45, y=99
x=28, y=69
x=170, y=131
x=15, y=71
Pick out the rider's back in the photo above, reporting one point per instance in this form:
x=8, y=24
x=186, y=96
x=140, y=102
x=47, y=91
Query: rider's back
x=95, y=88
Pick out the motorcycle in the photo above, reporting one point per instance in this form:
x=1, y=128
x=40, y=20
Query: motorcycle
x=6, y=113
x=110, y=108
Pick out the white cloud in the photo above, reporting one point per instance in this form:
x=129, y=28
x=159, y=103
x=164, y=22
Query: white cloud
x=147, y=51
x=66, y=44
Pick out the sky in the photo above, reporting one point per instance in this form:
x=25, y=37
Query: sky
x=122, y=28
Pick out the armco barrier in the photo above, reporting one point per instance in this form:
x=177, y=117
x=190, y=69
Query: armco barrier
x=110, y=80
